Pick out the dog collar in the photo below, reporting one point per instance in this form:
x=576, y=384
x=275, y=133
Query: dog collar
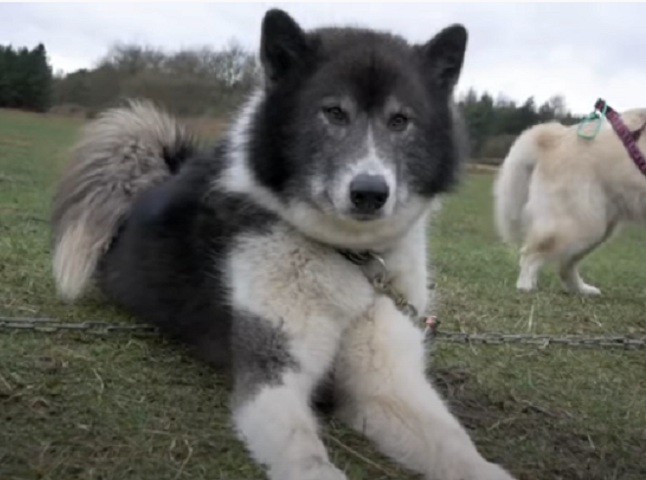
x=628, y=138
x=374, y=268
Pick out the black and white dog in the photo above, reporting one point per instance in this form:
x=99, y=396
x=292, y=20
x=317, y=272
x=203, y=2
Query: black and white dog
x=236, y=250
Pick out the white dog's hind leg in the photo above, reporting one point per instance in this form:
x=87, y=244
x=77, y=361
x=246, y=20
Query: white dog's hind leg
x=569, y=271
x=573, y=282
x=272, y=414
x=384, y=394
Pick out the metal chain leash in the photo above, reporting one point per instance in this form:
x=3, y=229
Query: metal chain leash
x=374, y=268
x=50, y=325
x=617, y=341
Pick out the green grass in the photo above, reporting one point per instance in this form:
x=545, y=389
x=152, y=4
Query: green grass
x=79, y=406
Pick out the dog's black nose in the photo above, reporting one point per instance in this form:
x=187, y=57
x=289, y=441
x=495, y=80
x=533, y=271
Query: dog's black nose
x=368, y=193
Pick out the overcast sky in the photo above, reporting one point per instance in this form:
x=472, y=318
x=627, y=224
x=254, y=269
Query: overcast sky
x=582, y=51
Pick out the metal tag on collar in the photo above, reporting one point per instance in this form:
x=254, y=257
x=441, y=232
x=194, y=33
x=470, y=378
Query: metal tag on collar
x=375, y=269
x=357, y=257
x=372, y=265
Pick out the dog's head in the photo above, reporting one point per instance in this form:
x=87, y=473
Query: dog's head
x=355, y=131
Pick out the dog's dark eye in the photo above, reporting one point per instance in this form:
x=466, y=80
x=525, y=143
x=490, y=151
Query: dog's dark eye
x=336, y=115
x=398, y=122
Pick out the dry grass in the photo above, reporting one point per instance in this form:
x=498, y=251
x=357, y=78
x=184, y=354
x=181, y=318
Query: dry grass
x=206, y=127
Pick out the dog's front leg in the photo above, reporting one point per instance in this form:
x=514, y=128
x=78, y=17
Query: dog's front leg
x=274, y=377
x=380, y=377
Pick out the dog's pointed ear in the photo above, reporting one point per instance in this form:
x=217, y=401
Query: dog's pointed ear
x=283, y=44
x=443, y=55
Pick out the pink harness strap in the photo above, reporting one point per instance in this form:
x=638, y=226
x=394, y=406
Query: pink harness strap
x=628, y=138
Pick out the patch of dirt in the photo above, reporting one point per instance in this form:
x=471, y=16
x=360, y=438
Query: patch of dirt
x=553, y=444
x=206, y=128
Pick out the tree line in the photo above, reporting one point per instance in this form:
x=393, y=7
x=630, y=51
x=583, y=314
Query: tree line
x=25, y=78
x=212, y=82
x=189, y=82
x=494, y=124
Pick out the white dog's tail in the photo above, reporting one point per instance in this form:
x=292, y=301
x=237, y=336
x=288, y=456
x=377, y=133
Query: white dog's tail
x=511, y=188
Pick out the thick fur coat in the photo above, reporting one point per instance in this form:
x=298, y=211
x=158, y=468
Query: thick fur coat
x=561, y=196
x=235, y=250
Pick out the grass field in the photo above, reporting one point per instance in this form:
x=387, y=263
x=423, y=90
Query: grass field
x=79, y=406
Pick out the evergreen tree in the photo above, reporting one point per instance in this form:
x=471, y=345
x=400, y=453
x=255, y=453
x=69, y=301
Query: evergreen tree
x=25, y=78
x=8, y=96
x=40, y=80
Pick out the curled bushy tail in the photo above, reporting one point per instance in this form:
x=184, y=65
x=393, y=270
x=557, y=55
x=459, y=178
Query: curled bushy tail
x=124, y=151
x=511, y=188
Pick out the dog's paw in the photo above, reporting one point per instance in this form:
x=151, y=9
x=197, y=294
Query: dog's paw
x=463, y=462
x=311, y=471
x=492, y=472
x=525, y=288
x=483, y=471
x=322, y=472
x=583, y=289
x=589, y=290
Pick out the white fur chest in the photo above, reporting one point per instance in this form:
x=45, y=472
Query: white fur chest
x=286, y=278
x=407, y=267
x=299, y=284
